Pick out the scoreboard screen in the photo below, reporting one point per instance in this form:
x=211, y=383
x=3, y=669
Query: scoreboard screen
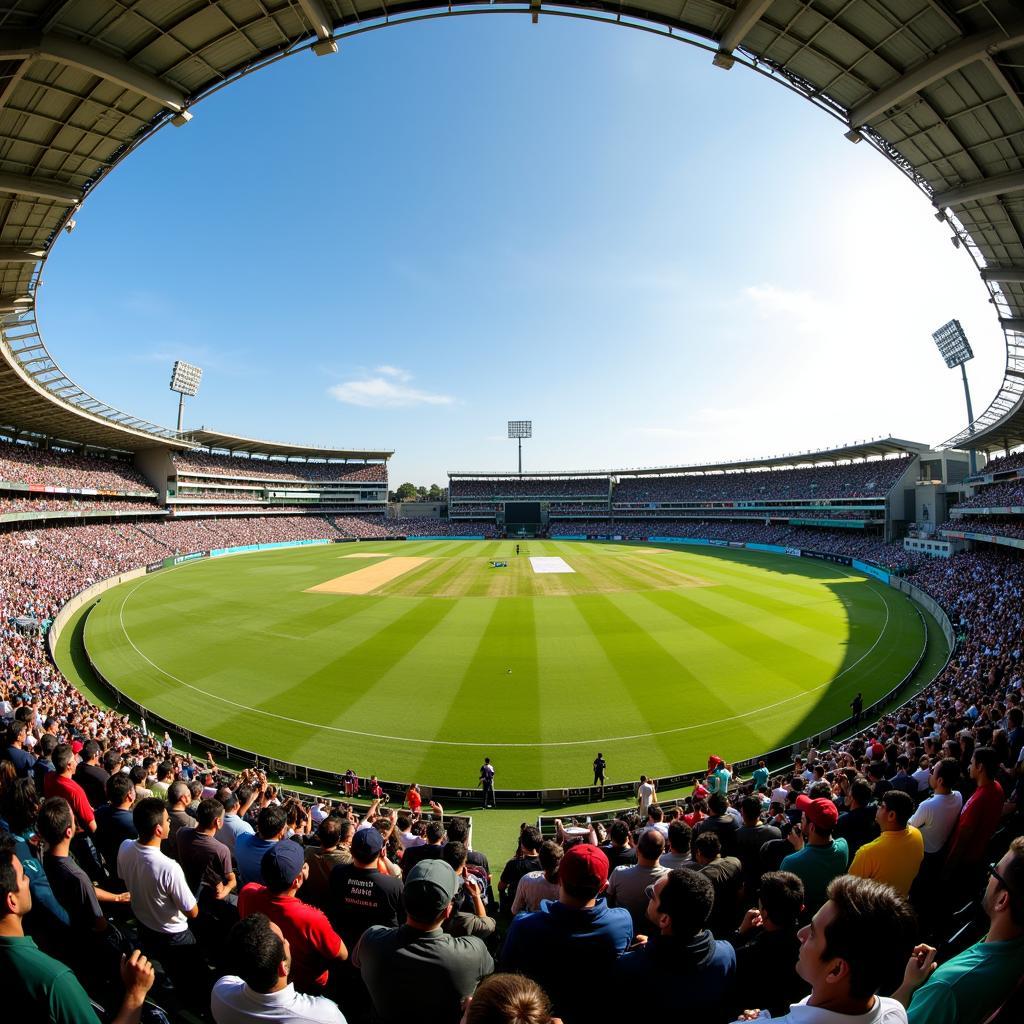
x=522, y=512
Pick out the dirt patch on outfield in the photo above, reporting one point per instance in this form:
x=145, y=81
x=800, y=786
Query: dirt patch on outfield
x=363, y=581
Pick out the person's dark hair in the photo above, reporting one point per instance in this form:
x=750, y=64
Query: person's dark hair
x=208, y=812
x=20, y=805
x=329, y=832
x=111, y=761
x=988, y=759
x=271, y=821
x=718, y=804
x=899, y=803
x=509, y=999
x=16, y=732
x=90, y=749
x=750, y=808
x=679, y=835
x=243, y=793
x=403, y=821
x=164, y=771
x=550, y=855
x=820, y=790
x=47, y=745
x=63, y=755
x=195, y=789
x=949, y=771
x=435, y=831
x=782, y=898
x=138, y=776
x=117, y=788
x=54, y=819
x=655, y=813
x=860, y=790
x=874, y=931
x=651, y=844
x=147, y=815
x=255, y=953
x=618, y=831
x=458, y=830
x=454, y=854
x=8, y=872
x=708, y=845
x=530, y=838
x=687, y=899
x=228, y=798
x=876, y=770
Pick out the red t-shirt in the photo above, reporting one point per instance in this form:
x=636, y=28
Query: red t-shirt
x=313, y=941
x=414, y=800
x=980, y=817
x=58, y=785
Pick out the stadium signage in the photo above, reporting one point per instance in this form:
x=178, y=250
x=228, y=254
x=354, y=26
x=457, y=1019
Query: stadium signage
x=825, y=556
x=154, y=566
x=793, y=551
x=191, y=557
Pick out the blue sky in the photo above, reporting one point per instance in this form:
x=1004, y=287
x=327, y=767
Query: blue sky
x=452, y=224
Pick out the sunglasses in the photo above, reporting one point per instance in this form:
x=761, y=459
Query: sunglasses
x=993, y=870
x=649, y=892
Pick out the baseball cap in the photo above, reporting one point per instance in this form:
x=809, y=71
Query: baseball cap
x=820, y=812
x=76, y=746
x=430, y=886
x=281, y=865
x=366, y=845
x=584, y=867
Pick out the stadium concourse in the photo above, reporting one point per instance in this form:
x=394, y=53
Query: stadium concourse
x=126, y=842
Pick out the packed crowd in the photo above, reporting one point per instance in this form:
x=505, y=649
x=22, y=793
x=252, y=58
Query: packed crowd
x=826, y=886
x=20, y=463
x=1010, y=492
x=525, y=488
x=854, y=480
x=1001, y=526
x=374, y=527
x=10, y=504
x=207, y=463
x=1013, y=460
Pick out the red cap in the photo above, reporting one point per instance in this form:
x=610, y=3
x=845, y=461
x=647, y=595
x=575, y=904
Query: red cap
x=700, y=791
x=76, y=746
x=821, y=812
x=714, y=761
x=584, y=867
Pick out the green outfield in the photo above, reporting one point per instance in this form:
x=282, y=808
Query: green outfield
x=414, y=660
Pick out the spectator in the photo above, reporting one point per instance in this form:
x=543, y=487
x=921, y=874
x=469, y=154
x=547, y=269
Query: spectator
x=726, y=877
x=721, y=822
x=656, y=821
x=971, y=986
x=60, y=783
x=16, y=753
x=678, y=853
x=525, y=861
x=536, y=886
x=682, y=956
x=508, y=999
x=818, y=858
x=645, y=795
x=236, y=806
x=978, y=819
x=334, y=835
x=114, y=822
x=750, y=838
x=895, y=856
x=179, y=797
x=857, y=824
x=937, y=816
x=468, y=916
x=619, y=847
x=568, y=943
x=627, y=886
x=206, y=861
x=90, y=776
x=259, y=990
x=419, y=957
x=314, y=944
x=250, y=848
x=432, y=849
x=161, y=900
x=847, y=953
x=767, y=945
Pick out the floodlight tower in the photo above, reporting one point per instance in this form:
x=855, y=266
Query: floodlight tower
x=954, y=347
x=185, y=380
x=518, y=429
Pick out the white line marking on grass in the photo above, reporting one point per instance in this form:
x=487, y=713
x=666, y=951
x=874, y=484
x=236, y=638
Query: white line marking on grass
x=489, y=743
x=543, y=564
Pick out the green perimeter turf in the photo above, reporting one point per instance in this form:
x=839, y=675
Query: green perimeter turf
x=654, y=657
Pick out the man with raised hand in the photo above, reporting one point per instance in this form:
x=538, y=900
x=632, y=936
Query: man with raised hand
x=847, y=953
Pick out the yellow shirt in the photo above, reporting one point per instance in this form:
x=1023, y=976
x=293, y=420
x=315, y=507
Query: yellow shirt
x=893, y=858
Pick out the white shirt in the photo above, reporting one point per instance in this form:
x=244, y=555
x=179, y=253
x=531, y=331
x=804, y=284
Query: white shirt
x=655, y=826
x=532, y=888
x=936, y=818
x=922, y=775
x=885, y=1011
x=160, y=895
x=233, y=1002
x=645, y=794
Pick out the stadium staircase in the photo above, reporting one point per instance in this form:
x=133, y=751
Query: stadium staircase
x=155, y=540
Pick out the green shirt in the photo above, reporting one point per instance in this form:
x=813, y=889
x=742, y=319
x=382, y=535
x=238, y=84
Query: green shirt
x=37, y=987
x=718, y=781
x=760, y=778
x=971, y=986
x=816, y=866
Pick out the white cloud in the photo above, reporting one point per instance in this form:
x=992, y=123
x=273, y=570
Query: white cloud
x=801, y=309
x=388, y=390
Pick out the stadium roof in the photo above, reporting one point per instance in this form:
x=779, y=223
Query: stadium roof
x=936, y=86
x=880, y=447
x=232, y=443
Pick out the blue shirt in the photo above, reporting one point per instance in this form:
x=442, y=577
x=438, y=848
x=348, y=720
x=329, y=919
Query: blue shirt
x=569, y=953
x=249, y=850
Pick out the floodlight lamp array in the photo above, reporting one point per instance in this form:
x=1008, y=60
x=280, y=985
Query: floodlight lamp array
x=520, y=428
x=185, y=378
x=952, y=344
